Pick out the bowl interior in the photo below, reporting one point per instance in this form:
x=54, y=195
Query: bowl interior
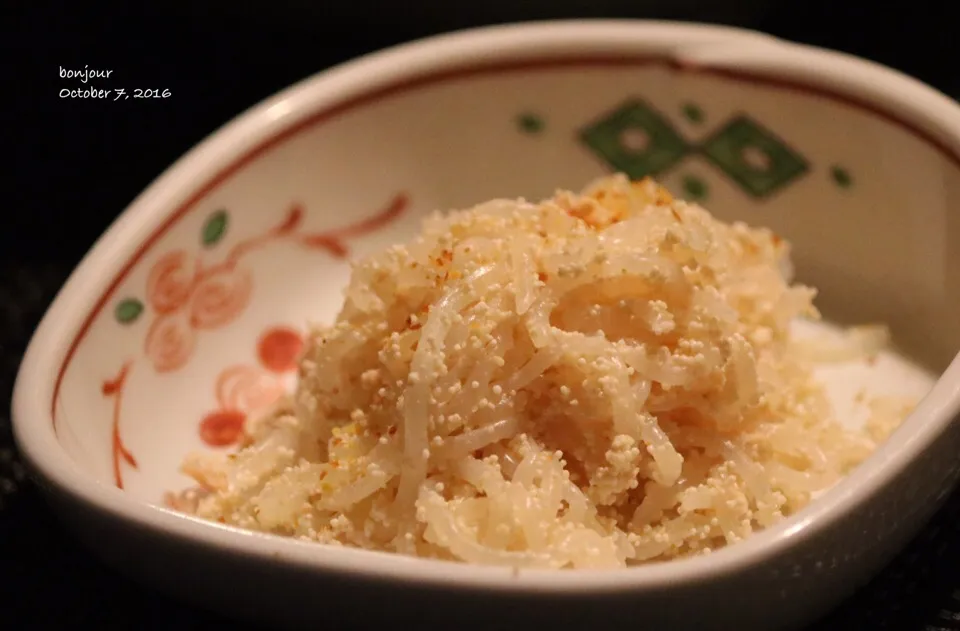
x=205, y=321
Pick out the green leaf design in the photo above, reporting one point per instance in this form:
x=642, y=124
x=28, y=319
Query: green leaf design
x=693, y=113
x=214, y=228
x=841, y=177
x=128, y=310
x=530, y=123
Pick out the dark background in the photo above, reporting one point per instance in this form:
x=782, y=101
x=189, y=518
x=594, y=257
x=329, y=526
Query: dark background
x=73, y=165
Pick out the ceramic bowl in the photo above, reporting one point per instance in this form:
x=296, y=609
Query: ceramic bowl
x=188, y=312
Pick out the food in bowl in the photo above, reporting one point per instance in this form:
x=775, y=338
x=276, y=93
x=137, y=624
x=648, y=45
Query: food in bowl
x=593, y=381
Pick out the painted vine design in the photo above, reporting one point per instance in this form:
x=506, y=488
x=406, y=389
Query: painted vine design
x=187, y=296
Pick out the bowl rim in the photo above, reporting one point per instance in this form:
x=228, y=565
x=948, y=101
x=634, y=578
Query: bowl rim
x=704, y=48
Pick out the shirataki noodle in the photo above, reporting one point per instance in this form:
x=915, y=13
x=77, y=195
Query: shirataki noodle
x=593, y=381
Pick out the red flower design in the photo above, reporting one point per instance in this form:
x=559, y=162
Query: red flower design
x=187, y=297
x=246, y=389
x=219, y=298
x=170, y=342
x=241, y=390
x=222, y=428
x=171, y=281
x=279, y=349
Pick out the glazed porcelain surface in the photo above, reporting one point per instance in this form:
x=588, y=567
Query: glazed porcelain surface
x=189, y=313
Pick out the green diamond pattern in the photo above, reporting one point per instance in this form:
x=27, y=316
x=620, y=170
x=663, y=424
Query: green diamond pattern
x=639, y=141
x=635, y=139
x=753, y=157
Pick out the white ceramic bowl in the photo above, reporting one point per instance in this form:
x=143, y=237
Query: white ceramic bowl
x=135, y=363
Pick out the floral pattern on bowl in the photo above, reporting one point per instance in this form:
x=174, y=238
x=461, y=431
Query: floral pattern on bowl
x=187, y=297
x=441, y=119
x=702, y=144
